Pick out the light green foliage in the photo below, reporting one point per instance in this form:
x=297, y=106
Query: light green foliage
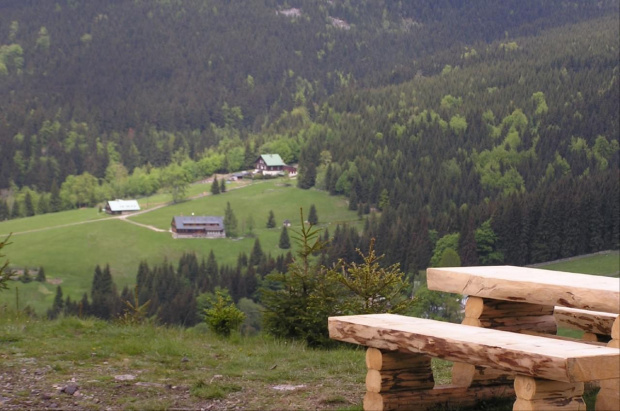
x=86, y=38
x=373, y=289
x=175, y=179
x=458, y=124
x=447, y=241
x=541, y=103
x=603, y=151
x=11, y=59
x=509, y=47
x=222, y=316
x=558, y=168
x=43, y=40
x=437, y=305
x=134, y=312
x=449, y=102
x=486, y=241
x=230, y=221
x=449, y=258
x=79, y=191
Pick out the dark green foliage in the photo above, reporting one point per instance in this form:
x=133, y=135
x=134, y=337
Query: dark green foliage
x=28, y=206
x=215, y=186
x=223, y=186
x=271, y=220
x=298, y=302
x=230, y=221
x=57, y=305
x=4, y=210
x=41, y=275
x=26, y=277
x=55, y=201
x=106, y=303
x=313, y=217
x=5, y=273
x=257, y=253
x=284, y=242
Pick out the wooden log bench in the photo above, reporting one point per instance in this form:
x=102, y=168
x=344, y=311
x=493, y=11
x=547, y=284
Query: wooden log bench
x=549, y=373
x=534, y=301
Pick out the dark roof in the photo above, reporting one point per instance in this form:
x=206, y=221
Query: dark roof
x=181, y=221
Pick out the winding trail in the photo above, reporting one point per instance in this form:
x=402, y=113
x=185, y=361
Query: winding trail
x=125, y=217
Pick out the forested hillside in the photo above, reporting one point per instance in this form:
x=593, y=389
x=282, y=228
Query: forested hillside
x=447, y=116
x=90, y=82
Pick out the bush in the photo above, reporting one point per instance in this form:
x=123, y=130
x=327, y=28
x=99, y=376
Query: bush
x=223, y=316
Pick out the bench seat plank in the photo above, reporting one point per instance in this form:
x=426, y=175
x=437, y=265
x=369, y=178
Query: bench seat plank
x=535, y=356
x=595, y=322
x=531, y=285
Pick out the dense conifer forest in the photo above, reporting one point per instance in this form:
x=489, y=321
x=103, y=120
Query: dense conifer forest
x=494, y=120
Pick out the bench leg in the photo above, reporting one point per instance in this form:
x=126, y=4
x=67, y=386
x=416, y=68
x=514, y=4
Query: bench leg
x=505, y=316
x=608, y=398
x=545, y=395
x=404, y=381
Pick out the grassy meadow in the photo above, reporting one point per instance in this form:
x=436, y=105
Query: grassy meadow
x=70, y=244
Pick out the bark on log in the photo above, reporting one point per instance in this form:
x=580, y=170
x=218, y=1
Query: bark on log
x=531, y=285
x=423, y=400
x=563, y=338
x=529, y=388
x=465, y=375
x=542, y=324
x=594, y=322
x=400, y=380
x=394, y=360
x=477, y=307
x=554, y=404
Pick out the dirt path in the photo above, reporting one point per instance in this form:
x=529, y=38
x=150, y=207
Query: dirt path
x=125, y=217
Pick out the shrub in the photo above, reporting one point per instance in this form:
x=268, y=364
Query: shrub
x=223, y=316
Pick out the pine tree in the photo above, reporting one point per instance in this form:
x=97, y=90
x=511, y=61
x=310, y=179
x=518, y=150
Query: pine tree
x=285, y=242
x=4, y=210
x=230, y=221
x=257, y=253
x=215, y=187
x=41, y=275
x=28, y=206
x=55, y=201
x=313, y=218
x=222, y=186
x=15, y=210
x=271, y=220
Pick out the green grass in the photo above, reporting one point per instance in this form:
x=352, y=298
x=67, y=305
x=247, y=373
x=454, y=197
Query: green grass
x=204, y=369
x=607, y=264
x=69, y=253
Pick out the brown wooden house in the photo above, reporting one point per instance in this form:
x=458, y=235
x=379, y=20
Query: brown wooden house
x=198, y=227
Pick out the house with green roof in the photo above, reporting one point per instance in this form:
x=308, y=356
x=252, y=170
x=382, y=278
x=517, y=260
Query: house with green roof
x=269, y=164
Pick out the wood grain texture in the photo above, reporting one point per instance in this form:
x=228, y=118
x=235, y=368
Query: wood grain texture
x=456, y=397
x=400, y=380
x=553, y=404
x=540, y=324
x=478, y=307
x=519, y=353
x=530, y=285
x=594, y=322
x=464, y=375
x=529, y=388
x=394, y=360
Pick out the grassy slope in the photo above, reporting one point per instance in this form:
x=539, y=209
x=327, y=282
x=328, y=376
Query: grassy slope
x=71, y=252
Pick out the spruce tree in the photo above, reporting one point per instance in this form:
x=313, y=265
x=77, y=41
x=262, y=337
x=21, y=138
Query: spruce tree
x=41, y=275
x=313, y=218
x=15, y=210
x=28, y=206
x=230, y=221
x=215, y=187
x=285, y=242
x=55, y=201
x=4, y=210
x=271, y=220
x=257, y=253
x=222, y=186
